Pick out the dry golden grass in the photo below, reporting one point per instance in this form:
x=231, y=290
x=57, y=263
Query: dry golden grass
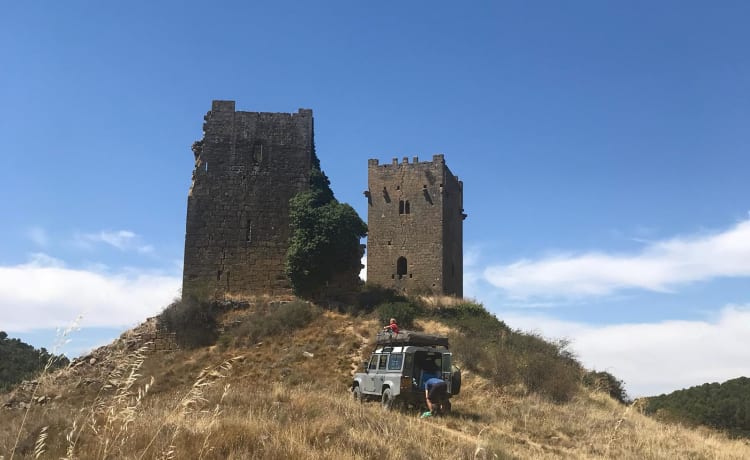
x=276, y=402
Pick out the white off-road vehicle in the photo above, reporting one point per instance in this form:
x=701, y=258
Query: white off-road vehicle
x=401, y=364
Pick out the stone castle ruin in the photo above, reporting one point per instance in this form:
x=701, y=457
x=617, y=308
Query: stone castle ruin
x=415, y=226
x=248, y=165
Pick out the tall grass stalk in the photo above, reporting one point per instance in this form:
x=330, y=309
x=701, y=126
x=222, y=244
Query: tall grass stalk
x=214, y=417
x=194, y=396
x=39, y=445
x=62, y=339
x=613, y=437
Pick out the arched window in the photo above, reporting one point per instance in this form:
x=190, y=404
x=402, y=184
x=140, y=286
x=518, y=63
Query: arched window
x=403, y=207
x=401, y=267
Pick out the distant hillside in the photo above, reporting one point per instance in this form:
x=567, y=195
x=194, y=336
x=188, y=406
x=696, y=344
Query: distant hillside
x=20, y=361
x=724, y=406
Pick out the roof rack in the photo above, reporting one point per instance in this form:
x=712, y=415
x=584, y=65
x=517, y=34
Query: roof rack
x=411, y=338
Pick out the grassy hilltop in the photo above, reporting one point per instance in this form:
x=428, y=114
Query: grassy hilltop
x=269, y=380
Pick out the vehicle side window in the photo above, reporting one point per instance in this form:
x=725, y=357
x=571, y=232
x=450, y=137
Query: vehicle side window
x=383, y=360
x=373, y=362
x=394, y=363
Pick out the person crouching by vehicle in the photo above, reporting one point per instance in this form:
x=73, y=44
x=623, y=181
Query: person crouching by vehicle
x=435, y=394
x=392, y=327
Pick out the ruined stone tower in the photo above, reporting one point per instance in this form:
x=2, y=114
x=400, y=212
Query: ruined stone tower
x=415, y=226
x=247, y=167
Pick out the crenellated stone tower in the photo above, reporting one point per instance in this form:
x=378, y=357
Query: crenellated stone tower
x=247, y=167
x=415, y=226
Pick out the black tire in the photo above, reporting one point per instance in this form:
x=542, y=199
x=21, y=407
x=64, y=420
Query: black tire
x=357, y=394
x=446, y=409
x=456, y=381
x=388, y=400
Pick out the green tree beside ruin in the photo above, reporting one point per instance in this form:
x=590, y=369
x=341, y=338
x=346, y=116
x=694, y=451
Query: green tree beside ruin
x=325, y=237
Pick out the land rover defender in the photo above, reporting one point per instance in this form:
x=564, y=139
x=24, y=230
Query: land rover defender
x=399, y=367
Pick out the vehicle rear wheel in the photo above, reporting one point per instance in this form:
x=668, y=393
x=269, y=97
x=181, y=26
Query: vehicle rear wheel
x=446, y=407
x=388, y=399
x=357, y=394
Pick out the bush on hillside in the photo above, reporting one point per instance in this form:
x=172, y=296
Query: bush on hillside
x=371, y=295
x=486, y=345
x=272, y=320
x=607, y=383
x=404, y=312
x=194, y=321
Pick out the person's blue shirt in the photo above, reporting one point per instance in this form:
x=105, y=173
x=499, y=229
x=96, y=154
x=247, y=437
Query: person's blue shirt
x=433, y=381
x=427, y=375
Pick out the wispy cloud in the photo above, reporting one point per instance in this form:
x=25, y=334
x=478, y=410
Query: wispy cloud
x=655, y=358
x=124, y=240
x=659, y=266
x=45, y=293
x=38, y=236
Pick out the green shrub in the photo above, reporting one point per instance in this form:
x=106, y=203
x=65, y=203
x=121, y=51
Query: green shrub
x=608, y=383
x=486, y=345
x=325, y=237
x=193, y=321
x=373, y=295
x=274, y=320
x=404, y=312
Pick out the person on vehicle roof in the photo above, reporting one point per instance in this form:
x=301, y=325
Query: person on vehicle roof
x=392, y=327
x=435, y=394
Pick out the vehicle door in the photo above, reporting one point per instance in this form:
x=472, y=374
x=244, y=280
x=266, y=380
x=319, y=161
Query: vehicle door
x=447, y=370
x=368, y=381
x=381, y=373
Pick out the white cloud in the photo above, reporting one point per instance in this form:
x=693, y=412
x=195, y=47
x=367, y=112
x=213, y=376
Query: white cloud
x=658, y=267
x=45, y=293
x=124, y=240
x=655, y=358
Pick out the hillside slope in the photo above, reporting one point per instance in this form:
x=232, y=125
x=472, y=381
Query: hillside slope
x=723, y=406
x=286, y=396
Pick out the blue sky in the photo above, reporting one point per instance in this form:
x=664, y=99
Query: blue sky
x=603, y=149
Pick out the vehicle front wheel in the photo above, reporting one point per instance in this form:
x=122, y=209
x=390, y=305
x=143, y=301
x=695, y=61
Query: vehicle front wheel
x=357, y=394
x=388, y=399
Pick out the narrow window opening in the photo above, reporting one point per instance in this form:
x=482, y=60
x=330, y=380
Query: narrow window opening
x=389, y=242
x=258, y=152
x=406, y=207
x=401, y=267
x=400, y=206
x=398, y=187
x=393, y=277
x=249, y=232
x=205, y=166
x=410, y=275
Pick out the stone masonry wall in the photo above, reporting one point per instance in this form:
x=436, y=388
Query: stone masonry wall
x=247, y=167
x=415, y=222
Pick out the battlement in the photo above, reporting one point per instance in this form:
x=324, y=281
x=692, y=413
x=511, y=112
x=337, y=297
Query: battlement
x=218, y=106
x=438, y=158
